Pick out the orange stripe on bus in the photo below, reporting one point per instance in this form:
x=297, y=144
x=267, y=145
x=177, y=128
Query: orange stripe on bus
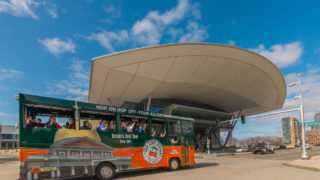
x=33, y=150
x=26, y=152
x=138, y=161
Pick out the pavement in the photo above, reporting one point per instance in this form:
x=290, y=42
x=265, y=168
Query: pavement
x=310, y=164
x=235, y=166
x=206, y=155
x=291, y=157
x=243, y=167
x=9, y=155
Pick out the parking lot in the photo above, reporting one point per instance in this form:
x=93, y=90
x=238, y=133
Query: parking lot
x=238, y=167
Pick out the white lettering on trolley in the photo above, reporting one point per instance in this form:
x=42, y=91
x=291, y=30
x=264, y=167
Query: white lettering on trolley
x=101, y=107
x=124, y=138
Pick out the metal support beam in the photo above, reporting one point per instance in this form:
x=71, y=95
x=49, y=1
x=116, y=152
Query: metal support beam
x=217, y=139
x=233, y=124
x=149, y=102
x=273, y=113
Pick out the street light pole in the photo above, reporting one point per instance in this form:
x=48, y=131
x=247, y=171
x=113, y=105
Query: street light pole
x=303, y=138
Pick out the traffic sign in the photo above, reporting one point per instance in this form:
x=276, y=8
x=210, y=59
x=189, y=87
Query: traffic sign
x=309, y=123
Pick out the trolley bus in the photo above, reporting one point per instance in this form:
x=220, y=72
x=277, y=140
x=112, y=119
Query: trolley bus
x=63, y=138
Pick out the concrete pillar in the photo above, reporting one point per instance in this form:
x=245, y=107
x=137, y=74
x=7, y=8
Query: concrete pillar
x=73, y=173
x=53, y=174
x=35, y=176
x=58, y=172
x=29, y=175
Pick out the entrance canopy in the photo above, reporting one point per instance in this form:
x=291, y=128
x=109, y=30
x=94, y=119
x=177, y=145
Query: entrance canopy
x=229, y=78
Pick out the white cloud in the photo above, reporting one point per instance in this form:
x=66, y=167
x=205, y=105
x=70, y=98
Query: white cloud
x=175, y=33
x=311, y=100
x=113, y=11
x=310, y=91
x=108, y=39
x=150, y=29
x=25, y=8
x=57, y=46
x=157, y=26
x=78, y=92
x=76, y=85
x=19, y=8
x=173, y=15
x=10, y=74
x=194, y=33
x=51, y=8
x=282, y=55
x=4, y=103
x=146, y=32
x=6, y=114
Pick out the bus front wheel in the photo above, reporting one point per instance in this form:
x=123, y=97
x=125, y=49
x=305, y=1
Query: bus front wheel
x=174, y=164
x=105, y=171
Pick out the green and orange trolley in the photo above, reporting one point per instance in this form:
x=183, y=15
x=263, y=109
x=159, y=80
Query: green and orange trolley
x=164, y=141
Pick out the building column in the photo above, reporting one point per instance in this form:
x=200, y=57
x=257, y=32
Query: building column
x=58, y=172
x=86, y=170
x=73, y=173
x=53, y=174
x=29, y=175
x=35, y=176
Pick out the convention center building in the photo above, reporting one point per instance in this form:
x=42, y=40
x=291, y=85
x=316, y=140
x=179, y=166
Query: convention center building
x=213, y=83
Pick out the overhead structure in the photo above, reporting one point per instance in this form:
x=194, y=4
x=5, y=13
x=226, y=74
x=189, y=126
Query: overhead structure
x=229, y=78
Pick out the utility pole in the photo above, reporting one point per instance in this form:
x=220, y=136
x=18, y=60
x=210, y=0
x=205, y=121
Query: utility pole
x=303, y=138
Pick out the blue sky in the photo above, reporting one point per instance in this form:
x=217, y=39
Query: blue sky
x=46, y=46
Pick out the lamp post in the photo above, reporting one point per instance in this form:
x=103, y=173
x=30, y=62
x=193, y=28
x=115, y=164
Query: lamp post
x=303, y=138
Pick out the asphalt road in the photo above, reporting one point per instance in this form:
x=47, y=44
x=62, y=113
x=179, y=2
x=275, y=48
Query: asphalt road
x=286, y=154
x=239, y=167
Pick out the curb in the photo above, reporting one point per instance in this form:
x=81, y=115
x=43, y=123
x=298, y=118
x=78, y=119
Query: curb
x=302, y=167
x=220, y=154
x=2, y=160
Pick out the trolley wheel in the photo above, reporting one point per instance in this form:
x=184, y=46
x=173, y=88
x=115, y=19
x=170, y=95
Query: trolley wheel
x=174, y=164
x=105, y=171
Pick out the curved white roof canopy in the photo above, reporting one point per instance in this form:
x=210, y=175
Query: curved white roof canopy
x=226, y=77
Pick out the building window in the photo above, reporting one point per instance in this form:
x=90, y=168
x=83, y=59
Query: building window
x=74, y=153
x=62, y=153
x=86, y=154
x=107, y=154
x=97, y=154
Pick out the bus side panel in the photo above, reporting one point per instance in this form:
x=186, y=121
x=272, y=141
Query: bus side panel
x=138, y=161
x=24, y=153
x=191, y=156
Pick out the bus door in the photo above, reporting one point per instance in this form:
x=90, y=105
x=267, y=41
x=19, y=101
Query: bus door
x=186, y=129
x=185, y=146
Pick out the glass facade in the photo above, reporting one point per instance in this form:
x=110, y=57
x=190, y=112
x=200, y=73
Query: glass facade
x=291, y=132
x=316, y=119
x=286, y=135
x=159, y=104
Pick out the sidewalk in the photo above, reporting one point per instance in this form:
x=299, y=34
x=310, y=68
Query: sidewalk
x=10, y=152
x=311, y=164
x=206, y=155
